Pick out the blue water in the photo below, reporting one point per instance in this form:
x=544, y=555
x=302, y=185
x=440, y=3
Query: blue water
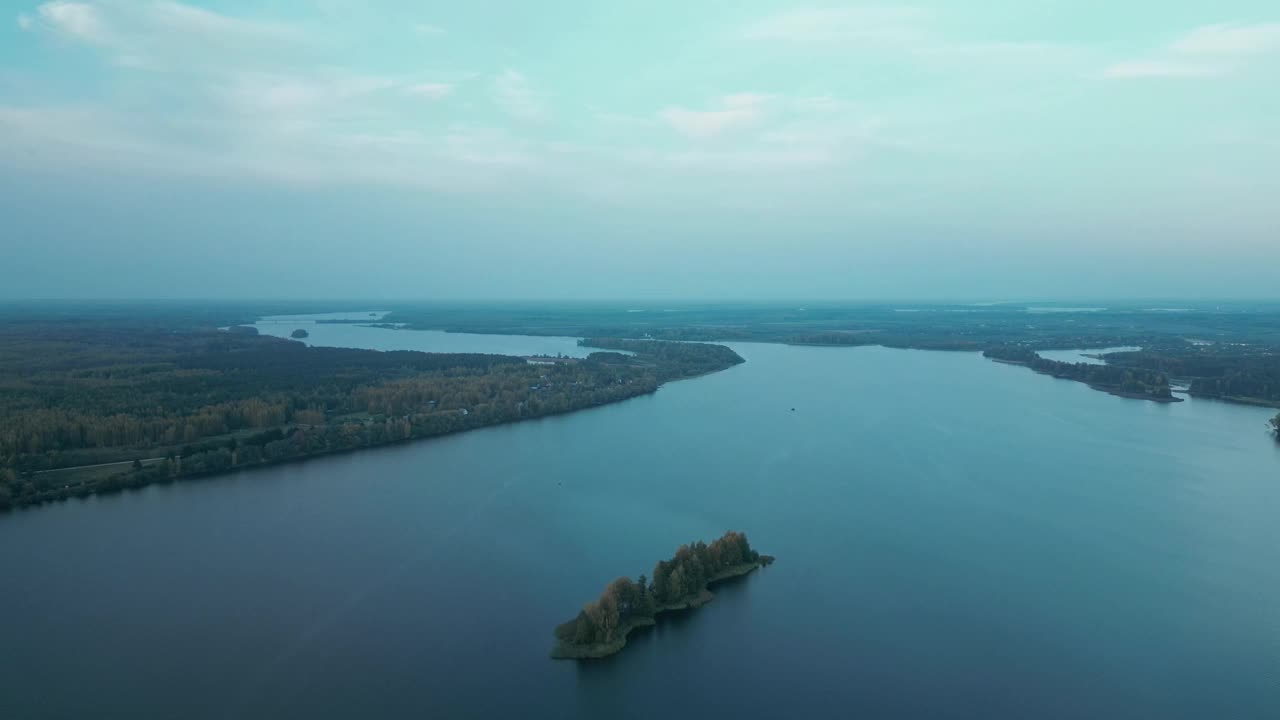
x=956, y=538
x=363, y=336
x=1088, y=356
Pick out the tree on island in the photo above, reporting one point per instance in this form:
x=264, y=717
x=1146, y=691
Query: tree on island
x=675, y=581
x=299, y=334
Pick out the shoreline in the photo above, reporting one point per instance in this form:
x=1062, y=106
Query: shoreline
x=1255, y=402
x=1133, y=396
x=86, y=489
x=567, y=651
x=1252, y=402
x=73, y=484
x=1100, y=388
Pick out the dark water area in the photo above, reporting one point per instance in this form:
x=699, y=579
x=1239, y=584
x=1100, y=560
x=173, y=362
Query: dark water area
x=956, y=538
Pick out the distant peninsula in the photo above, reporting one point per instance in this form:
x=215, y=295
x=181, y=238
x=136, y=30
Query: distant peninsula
x=681, y=583
x=1126, y=382
x=154, y=405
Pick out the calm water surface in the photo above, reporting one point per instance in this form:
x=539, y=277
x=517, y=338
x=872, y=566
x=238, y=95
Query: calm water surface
x=1087, y=356
x=956, y=539
x=363, y=336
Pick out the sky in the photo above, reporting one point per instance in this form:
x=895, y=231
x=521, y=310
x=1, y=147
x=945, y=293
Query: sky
x=587, y=150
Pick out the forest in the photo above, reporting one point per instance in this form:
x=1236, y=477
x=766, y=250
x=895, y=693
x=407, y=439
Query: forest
x=157, y=404
x=601, y=627
x=1126, y=381
x=1231, y=372
x=672, y=360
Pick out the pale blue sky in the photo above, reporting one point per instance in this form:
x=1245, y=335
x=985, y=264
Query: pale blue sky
x=657, y=149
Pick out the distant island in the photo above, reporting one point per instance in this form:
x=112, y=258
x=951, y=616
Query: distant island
x=681, y=583
x=299, y=334
x=1129, y=382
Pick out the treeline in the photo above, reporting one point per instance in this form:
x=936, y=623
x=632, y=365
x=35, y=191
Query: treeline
x=845, y=338
x=65, y=389
x=1224, y=373
x=673, y=360
x=201, y=402
x=209, y=402
x=675, y=582
x=850, y=338
x=1135, y=382
x=1240, y=386
x=686, y=574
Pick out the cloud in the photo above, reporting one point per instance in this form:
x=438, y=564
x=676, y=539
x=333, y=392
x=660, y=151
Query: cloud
x=315, y=98
x=25, y=22
x=515, y=96
x=177, y=17
x=908, y=35
x=1230, y=39
x=297, y=102
x=77, y=20
x=229, y=96
x=1206, y=51
x=734, y=112
x=431, y=91
x=140, y=33
x=1138, y=69
x=461, y=159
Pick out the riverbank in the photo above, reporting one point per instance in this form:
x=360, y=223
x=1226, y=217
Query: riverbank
x=1108, y=389
x=595, y=651
x=161, y=406
x=1238, y=400
x=1129, y=395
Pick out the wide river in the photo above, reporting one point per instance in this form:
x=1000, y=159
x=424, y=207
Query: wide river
x=956, y=538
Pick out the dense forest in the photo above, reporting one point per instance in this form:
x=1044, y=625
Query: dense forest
x=155, y=404
x=601, y=626
x=1230, y=372
x=1126, y=381
x=672, y=360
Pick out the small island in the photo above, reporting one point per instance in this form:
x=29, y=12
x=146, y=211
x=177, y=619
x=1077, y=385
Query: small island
x=681, y=583
x=1275, y=426
x=299, y=334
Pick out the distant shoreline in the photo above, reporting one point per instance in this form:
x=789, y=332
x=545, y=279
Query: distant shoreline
x=1102, y=388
